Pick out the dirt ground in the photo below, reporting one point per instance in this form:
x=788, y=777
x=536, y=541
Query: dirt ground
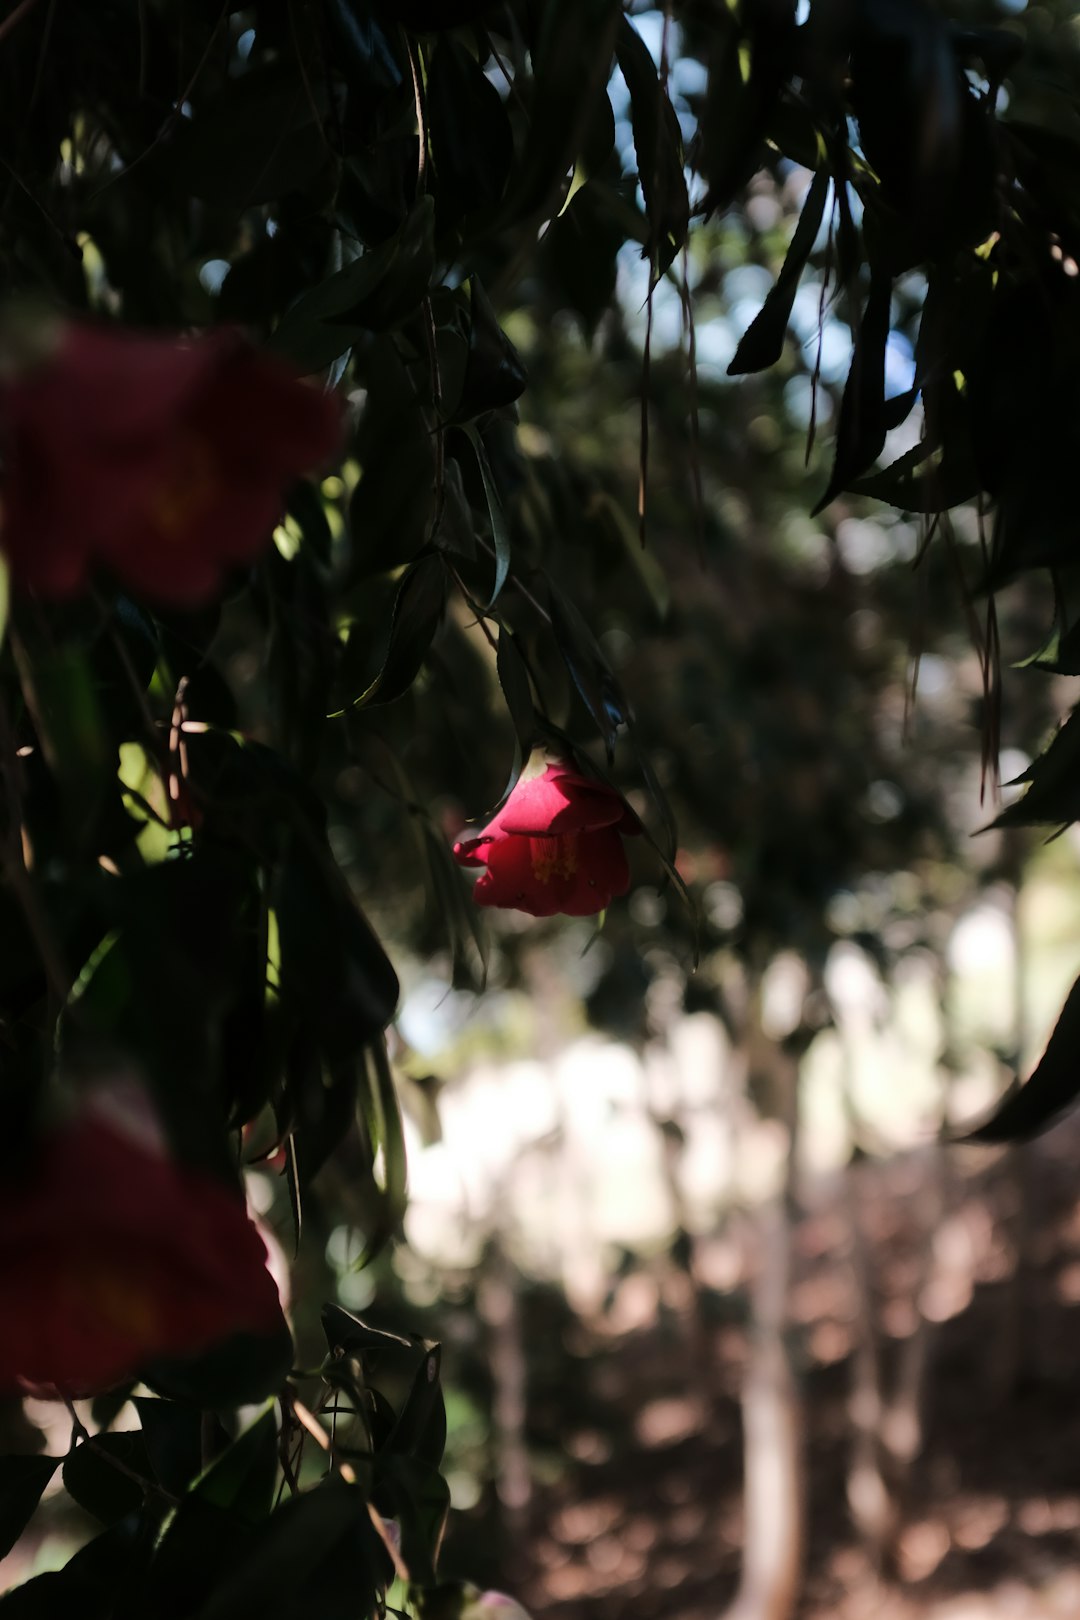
x=634, y=1431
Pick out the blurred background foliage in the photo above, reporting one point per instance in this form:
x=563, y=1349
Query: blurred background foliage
x=758, y=517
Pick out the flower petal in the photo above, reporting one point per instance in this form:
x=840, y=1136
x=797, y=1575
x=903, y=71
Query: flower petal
x=111, y=1255
x=511, y=883
x=165, y=458
x=603, y=873
x=557, y=802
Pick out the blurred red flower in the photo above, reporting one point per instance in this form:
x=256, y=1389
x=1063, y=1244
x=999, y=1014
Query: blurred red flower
x=163, y=459
x=555, y=846
x=112, y=1255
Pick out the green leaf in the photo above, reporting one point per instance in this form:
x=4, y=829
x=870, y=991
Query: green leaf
x=1054, y=1086
x=173, y=1439
x=332, y=968
x=472, y=143
x=514, y=680
x=243, y=1477
x=255, y=139
x=369, y=54
x=937, y=488
x=415, y=1494
x=571, y=56
x=763, y=342
x=419, y=605
x=374, y=293
x=391, y=508
x=455, y=908
x=215, y=1523
x=420, y=1430
x=104, y=1490
x=860, y=431
x=658, y=144
x=1053, y=795
x=98, y=1583
x=347, y=1332
x=61, y=694
x=753, y=52
x=318, y=1555
x=494, y=372
x=382, y=1132
x=589, y=669
x=500, y=535
x=242, y=1369
x=22, y=1480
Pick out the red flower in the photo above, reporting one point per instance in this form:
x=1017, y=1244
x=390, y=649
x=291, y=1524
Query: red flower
x=162, y=458
x=111, y=1255
x=555, y=846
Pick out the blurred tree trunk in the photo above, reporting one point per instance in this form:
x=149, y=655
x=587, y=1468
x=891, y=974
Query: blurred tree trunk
x=1010, y=1353
x=500, y=1313
x=774, y=1494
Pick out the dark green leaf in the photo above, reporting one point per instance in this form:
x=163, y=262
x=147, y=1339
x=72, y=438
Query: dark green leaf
x=753, y=55
x=369, y=58
x=418, y=610
x=763, y=341
x=257, y=138
x=61, y=692
x=420, y=1430
x=418, y=1498
x=22, y=1480
x=472, y=144
x=1053, y=795
x=382, y=1131
x=332, y=968
x=241, y=1370
x=243, y=1477
x=104, y=1490
x=589, y=669
x=494, y=373
x=318, y=1555
x=347, y=1332
x=571, y=55
x=658, y=144
x=514, y=680
x=934, y=488
x=215, y=1523
x=374, y=293
x=1053, y=1088
x=860, y=432
x=500, y=535
x=172, y=1434
x=98, y=1583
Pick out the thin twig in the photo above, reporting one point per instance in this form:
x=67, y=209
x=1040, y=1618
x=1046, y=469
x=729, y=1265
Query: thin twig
x=174, y=114
x=17, y=873
x=9, y=23
x=440, y=429
x=643, y=453
x=421, y=126
x=470, y=601
x=82, y=1434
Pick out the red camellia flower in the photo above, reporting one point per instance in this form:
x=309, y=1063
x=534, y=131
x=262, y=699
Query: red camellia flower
x=111, y=1255
x=555, y=846
x=163, y=459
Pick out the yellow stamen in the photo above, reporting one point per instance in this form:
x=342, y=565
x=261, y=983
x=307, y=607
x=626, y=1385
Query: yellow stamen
x=115, y=1299
x=191, y=484
x=554, y=857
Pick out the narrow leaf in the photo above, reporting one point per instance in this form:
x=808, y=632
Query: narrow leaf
x=763, y=341
x=1054, y=1086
